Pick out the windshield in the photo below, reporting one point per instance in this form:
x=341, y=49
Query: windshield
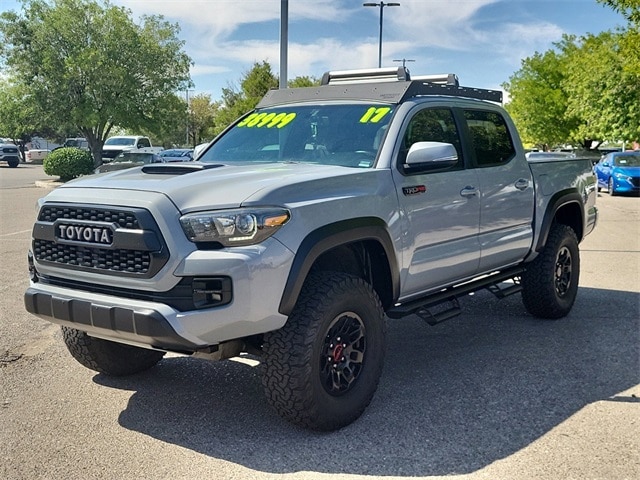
x=346, y=135
x=632, y=160
x=120, y=141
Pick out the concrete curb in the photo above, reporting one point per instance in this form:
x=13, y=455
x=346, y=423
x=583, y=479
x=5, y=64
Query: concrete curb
x=48, y=183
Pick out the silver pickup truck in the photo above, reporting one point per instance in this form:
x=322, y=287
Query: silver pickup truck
x=303, y=228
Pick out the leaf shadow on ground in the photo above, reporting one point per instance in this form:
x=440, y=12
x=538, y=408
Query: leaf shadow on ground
x=453, y=398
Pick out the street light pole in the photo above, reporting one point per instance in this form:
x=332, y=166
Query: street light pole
x=284, y=42
x=381, y=5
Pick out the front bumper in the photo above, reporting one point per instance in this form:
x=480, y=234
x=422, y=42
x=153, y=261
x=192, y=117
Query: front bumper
x=139, y=325
x=258, y=276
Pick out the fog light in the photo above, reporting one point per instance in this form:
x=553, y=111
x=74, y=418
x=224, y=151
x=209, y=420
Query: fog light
x=211, y=292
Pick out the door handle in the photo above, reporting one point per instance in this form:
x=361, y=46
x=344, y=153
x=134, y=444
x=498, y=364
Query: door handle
x=522, y=184
x=469, y=191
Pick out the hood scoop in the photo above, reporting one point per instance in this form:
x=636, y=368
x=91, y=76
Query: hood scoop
x=178, y=169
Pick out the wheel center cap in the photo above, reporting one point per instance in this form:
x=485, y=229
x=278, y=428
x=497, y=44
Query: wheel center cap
x=337, y=352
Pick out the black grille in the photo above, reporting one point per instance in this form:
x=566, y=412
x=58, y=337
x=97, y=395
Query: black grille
x=123, y=219
x=132, y=261
x=137, y=249
x=635, y=181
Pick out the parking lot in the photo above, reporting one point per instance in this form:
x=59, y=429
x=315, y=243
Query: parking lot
x=491, y=394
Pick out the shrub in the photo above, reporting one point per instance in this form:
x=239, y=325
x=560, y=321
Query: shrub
x=68, y=163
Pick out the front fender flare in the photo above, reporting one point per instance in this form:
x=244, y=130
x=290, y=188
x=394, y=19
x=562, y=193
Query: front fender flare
x=328, y=237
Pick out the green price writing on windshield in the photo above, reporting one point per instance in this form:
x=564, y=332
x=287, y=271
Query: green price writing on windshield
x=374, y=114
x=268, y=120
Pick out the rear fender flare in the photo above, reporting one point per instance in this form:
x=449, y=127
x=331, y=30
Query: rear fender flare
x=557, y=201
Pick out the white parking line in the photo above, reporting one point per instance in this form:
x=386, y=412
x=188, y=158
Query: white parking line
x=14, y=233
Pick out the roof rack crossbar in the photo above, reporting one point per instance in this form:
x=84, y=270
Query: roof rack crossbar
x=442, y=79
x=339, y=77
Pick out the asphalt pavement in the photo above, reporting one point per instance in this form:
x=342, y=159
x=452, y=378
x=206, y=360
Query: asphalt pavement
x=491, y=394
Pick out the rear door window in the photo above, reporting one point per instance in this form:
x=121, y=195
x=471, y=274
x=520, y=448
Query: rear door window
x=489, y=138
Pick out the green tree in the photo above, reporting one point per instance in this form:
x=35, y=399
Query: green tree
x=629, y=8
x=254, y=84
x=87, y=64
x=604, y=82
x=202, y=113
x=585, y=90
x=538, y=101
x=304, y=81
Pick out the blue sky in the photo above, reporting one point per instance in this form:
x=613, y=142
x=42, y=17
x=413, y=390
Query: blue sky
x=482, y=41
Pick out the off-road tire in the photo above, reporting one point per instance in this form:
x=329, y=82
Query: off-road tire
x=321, y=370
x=110, y=358
x=13, y=163
x=550, y=282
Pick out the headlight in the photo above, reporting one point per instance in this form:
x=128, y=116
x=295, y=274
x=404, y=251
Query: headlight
x=245, y=226
x=622, y=176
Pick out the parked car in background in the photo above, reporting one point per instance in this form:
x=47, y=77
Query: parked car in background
x=114, y=146
x=77, y=142
x=619, y=172
x=129, y=160
x=177, y=155
x=36, y=155
x=199, y=149
x=9, y=153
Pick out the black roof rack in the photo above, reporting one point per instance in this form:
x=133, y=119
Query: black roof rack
x=385, y=85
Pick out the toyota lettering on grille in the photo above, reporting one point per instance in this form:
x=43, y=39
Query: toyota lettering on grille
x=85, y=234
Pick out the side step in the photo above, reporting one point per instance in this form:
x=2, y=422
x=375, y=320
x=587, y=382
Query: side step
x=491, y=282
x=433, y=318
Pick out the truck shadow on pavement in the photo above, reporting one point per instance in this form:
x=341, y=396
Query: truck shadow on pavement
x=453, y=398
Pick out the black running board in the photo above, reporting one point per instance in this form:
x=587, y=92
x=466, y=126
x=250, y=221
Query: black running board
x=422, y=306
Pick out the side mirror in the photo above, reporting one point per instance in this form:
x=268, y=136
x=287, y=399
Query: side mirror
x=606, y=164
x=431, y=155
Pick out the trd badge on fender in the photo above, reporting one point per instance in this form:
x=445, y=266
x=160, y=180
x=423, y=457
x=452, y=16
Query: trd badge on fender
x=414, y=190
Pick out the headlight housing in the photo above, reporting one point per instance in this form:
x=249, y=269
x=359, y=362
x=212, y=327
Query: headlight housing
x=238, y=227
x=622, y=176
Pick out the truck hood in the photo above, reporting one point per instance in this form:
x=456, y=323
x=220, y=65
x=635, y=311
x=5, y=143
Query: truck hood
x=222, y=186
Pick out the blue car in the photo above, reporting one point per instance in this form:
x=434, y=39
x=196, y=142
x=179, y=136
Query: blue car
x=619, y=172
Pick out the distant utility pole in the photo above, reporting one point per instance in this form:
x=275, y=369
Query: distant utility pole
x=404, y=60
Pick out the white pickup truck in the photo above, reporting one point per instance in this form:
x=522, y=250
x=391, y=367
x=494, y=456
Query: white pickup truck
x=114, y=146
x=302, y=228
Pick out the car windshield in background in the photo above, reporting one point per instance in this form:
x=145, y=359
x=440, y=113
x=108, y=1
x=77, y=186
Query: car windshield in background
x=332, y=134
x=627, y=160
x=120, y=141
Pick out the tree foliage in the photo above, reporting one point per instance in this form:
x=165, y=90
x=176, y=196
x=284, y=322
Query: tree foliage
x=604, y=86
x=87, y=64
x=202, y=112
x=538, y=102
x=583, y=90
x=254, y=84
x=68, y=163
x=629, y=8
